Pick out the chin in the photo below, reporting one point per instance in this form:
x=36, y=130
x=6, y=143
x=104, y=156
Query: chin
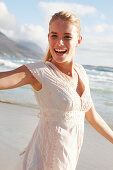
x=59, y=60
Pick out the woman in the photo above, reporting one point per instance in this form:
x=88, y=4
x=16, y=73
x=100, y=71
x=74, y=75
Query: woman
x=62, y=91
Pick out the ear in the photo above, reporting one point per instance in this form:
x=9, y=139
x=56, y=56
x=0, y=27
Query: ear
x=79, y=40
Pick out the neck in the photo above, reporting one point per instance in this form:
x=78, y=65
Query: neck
x=65, y=67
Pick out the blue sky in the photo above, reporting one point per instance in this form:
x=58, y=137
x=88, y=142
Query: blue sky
x=28, y=20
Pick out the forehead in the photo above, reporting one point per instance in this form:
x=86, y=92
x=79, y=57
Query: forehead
x=60, y=26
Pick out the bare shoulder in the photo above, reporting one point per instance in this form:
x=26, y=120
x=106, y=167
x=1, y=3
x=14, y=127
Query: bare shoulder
x=81, y=67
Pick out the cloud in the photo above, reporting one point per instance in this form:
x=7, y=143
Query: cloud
x=102, y=16
x=99, y=28
x=51, y=7
x=7, y=20
x=28, y=32
x=33, y=33
x=112, y=28
x=95, y=51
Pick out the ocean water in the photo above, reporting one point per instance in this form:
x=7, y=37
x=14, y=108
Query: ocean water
x=101, y=85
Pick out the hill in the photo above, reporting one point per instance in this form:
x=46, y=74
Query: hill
x=12, y=48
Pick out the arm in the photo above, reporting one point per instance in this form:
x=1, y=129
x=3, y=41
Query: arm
x=99, y=124
x=16, y=78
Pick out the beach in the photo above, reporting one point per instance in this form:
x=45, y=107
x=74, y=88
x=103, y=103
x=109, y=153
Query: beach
x=96, y=153
x=17, y=124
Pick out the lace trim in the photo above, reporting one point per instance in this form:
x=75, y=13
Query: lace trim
x=86, y=101
x=73, y=116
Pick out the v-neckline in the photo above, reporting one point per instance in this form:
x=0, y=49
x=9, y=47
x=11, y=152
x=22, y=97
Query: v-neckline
x=62, y=74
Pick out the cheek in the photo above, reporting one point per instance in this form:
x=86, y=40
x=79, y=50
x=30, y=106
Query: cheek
x=51, y=47
x=51, y=43
x=71, y=47
x=73, y=43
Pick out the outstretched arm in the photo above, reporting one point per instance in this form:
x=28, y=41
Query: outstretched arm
x=99, y=124
x=16, y=78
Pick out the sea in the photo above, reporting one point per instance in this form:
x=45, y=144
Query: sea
x=100, y=81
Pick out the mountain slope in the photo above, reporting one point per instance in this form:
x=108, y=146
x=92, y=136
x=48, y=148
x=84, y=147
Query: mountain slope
x=11, y=48
x=32, y=46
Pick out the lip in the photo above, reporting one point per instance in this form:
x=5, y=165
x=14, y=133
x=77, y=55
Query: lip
x=60, y=49
x=60, y=52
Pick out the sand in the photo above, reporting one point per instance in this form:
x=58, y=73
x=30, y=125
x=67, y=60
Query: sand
x=96, y=153
x=17, y=124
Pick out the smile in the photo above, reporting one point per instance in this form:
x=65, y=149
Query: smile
x=60, y=52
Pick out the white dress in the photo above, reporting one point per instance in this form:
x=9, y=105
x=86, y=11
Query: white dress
x=57, y=140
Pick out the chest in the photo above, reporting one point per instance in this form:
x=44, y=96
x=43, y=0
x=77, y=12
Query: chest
x=61, y=94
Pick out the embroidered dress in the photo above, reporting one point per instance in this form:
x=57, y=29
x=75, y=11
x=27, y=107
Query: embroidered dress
x=58, y=137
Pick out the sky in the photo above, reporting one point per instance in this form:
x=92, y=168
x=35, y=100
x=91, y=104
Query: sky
x=28, y=20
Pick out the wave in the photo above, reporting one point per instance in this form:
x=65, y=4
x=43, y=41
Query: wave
x=99, y=68
x=9, y=62
x=98, y=78
x=100, y=75
x=102, y=90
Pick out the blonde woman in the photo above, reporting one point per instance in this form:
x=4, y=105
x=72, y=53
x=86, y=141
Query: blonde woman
x=62, y=91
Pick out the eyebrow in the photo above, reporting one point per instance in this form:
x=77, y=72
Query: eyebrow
x=68, y=33
x=56, y=33
x=52, y=32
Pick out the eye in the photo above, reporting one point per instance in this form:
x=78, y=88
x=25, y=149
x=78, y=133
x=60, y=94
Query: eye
x=68, y=37
x=54, y=36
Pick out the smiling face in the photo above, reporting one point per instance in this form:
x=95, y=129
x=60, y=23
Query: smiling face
x=63, y=40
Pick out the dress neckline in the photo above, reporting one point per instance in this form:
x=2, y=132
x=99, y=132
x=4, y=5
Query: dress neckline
x=62, y=74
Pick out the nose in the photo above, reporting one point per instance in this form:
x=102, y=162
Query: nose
x=60, y=42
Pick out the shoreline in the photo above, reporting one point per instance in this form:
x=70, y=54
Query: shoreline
x=17, y=124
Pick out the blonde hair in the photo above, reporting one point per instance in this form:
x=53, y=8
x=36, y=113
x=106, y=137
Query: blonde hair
x=65, y=16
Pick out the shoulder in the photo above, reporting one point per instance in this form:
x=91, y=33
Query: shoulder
x=82, y=72
x=81, y=68
x=38, y=66
x=36, y=70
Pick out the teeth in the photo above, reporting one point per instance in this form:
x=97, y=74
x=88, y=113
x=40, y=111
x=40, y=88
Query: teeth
x=60, y=50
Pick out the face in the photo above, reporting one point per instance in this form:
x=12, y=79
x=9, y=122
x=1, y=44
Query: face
x=63, y=40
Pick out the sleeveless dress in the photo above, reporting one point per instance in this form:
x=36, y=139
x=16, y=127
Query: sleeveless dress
x=58, y=137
